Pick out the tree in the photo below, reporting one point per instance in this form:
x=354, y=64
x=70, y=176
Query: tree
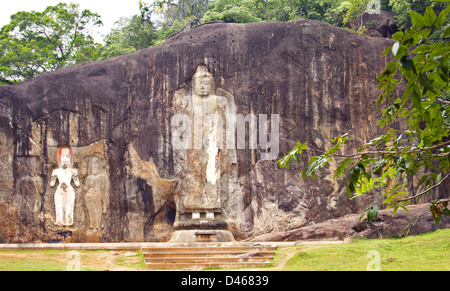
x=419, y=71
x=36, y=42
x=233, y=11
x=274, y=10
x=321, y=10
x=134, y=33
x=357, y=9
x=183, y=13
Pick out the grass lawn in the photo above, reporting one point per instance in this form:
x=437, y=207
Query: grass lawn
x=414, y=253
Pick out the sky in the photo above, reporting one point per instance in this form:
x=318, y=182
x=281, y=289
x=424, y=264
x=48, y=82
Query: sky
x=109, y=10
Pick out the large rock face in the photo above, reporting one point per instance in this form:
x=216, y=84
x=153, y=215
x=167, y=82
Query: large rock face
x=116, y=114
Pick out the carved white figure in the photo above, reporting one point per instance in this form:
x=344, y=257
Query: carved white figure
x=65, y=194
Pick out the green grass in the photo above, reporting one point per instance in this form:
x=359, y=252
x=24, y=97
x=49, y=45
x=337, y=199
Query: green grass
x=31, y=265
x=22, y=261
x=132, y=264
x=415, y=253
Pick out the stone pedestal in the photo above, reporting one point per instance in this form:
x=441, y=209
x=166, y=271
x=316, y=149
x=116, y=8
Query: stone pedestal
x=201, y=227
x=198, y=236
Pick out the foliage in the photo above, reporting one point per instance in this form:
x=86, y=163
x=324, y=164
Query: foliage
x=176, y=15
x=184, y=13
x=403, y=9
x=233, y=11
x=419, y=70
x=133, y=33
x=276, y=10
x=36, y=42
x=356, y=9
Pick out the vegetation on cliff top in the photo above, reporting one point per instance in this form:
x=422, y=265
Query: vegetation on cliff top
x=36, y=42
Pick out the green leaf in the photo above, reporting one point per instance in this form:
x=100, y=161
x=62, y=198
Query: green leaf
x=416, y=100
x=386, y=51
x=397, y=36
x=395, y=210
x=418, y=35
x=296, y=158
x=446, y=212
x=304, y=175
x=417, y=20
x=443, y=68
x=446, y=32
x=438, y=178
x=429, y=16
x=425, y=82
x=406, y=209
x=423, y=179
x=408, y=64
x=350, y=189
x=442, y=17
x=423, y=48
x=434, y=110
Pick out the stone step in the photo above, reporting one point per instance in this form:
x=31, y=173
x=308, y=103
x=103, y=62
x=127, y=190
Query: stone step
x=208, y=249
x=207, y=254
x=207, y=257
x=193, y=260
x=178, y=266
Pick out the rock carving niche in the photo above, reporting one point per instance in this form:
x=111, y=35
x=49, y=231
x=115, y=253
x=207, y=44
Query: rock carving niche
x=65, y=193
x=203, y=131
x=6, y=160
x=159, y=221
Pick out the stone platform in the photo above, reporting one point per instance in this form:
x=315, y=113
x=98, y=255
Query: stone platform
x=201, y=236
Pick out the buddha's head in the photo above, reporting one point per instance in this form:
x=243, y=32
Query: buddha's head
x=203, y=82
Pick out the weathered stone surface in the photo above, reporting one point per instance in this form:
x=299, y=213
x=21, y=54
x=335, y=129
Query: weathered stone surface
x=116, y=117
x=418, y=221
x=380, y=24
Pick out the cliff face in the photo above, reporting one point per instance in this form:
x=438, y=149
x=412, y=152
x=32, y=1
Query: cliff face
x=116, y=116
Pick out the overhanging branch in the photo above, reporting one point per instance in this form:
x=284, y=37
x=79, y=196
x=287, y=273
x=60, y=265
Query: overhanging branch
x=6, y=81
x=425, y=191
x=395, y=152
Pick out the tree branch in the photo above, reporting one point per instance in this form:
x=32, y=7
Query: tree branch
x=6, y=81
x=442, y=100
x=395, y=152
x=426, y=191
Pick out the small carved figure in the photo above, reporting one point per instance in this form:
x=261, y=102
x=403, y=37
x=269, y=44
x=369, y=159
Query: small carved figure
x=65, y=194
